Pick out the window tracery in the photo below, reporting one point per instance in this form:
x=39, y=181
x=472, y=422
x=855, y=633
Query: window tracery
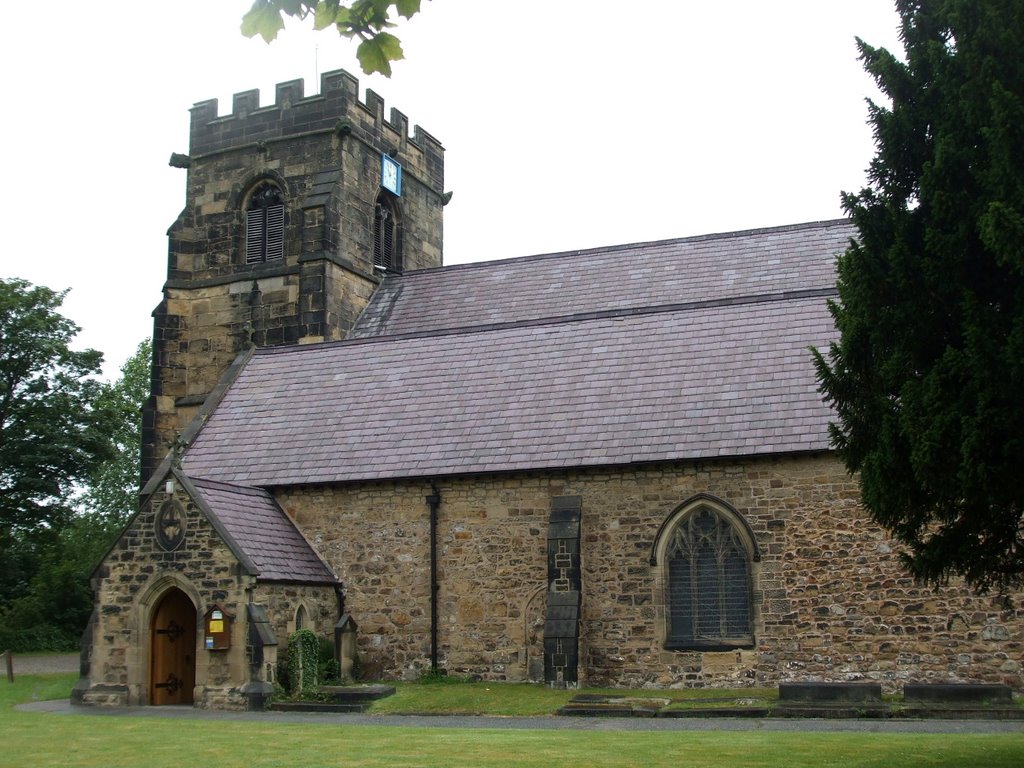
x=708, y=583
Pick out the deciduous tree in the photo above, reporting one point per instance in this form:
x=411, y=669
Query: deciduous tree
x=112, y=491
x=46, y=596
x=927, y=378
x=367, y=20
x=51, y=433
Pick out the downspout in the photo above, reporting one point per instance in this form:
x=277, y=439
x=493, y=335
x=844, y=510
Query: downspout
x=433, y=501
x=339, y=595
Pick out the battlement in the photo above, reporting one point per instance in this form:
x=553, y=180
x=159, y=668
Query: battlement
x=294, y=114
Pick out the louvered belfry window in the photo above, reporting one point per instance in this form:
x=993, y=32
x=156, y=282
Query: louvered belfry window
x=264, y=225
x=387, y=237
x=708, y=585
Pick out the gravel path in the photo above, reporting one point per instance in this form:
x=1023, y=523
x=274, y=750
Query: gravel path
x=42, y=663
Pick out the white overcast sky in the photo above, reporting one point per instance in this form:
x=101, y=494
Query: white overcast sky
x=566, y=124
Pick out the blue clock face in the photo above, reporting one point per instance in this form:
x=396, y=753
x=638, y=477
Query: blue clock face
x=390, y=175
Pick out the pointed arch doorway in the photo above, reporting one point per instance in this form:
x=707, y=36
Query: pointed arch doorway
x=172, y=650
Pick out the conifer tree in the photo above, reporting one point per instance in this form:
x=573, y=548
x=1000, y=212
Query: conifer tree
x=927, y=378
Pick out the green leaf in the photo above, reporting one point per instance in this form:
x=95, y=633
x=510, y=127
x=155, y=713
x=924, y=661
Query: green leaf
x=263, y=19
x=326, y=14
x=377, y=14
x=390, y=45
x=293, y=7
x=377, y=53
x=407, y=8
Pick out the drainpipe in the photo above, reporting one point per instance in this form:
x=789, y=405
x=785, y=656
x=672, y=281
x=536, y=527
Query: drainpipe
x=339, y=595
x=433, y=501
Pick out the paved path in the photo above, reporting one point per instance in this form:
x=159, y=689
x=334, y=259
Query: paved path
x=56, y=663
x=545, y=723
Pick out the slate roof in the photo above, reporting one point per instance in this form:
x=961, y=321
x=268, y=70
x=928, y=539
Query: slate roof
x=682, y=350
x=264, y=533
x=682, y=271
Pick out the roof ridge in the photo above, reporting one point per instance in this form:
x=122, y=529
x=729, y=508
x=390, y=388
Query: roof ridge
x=822, y=224
x=603, y=314
x=207, y=483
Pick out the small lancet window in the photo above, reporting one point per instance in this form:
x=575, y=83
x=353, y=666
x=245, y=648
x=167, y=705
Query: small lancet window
x=301, y=619
x=387, y=236
x=709, y=589
x=264, y=225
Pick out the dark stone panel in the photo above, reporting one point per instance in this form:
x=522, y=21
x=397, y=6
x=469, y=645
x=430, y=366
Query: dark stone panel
x=845, y=692
x=566, y=508
x=958, y=692
x=563, y=612
x=561, y=629
x=564, y=598
x=564, y=530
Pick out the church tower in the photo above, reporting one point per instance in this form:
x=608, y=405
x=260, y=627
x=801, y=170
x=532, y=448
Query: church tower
x=293, y=214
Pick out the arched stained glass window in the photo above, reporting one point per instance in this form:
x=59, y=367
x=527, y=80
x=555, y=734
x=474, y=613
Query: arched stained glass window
x=708, y=585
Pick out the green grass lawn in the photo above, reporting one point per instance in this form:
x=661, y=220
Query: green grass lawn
x=34, y=740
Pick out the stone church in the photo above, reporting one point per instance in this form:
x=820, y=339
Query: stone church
x=606, y=467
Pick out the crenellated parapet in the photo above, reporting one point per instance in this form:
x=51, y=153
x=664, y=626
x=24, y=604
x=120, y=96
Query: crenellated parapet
x=336, y=108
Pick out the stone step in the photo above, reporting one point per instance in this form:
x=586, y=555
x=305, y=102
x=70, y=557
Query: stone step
x=600, y=705
x=716, y=712
x=960, y=712
x=815, y=692
x=349, y=694
x=602, y=710
x=833, y=711
x=920, y=712
x=958, y=693
x=318, y=706
x=338, y=698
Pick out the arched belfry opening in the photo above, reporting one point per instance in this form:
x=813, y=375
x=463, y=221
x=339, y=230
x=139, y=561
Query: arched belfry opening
x=172, y=649
x=387, y=234
x=264, y=224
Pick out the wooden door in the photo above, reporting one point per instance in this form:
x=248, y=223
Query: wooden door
x=173, y=650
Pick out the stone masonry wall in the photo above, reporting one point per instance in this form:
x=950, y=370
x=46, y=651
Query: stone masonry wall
x=131, y=582
x=831, y=600
x=282, y=601
x=492, y=546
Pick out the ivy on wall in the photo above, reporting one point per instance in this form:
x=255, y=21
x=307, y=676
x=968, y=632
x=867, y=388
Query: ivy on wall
x=303, y=662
